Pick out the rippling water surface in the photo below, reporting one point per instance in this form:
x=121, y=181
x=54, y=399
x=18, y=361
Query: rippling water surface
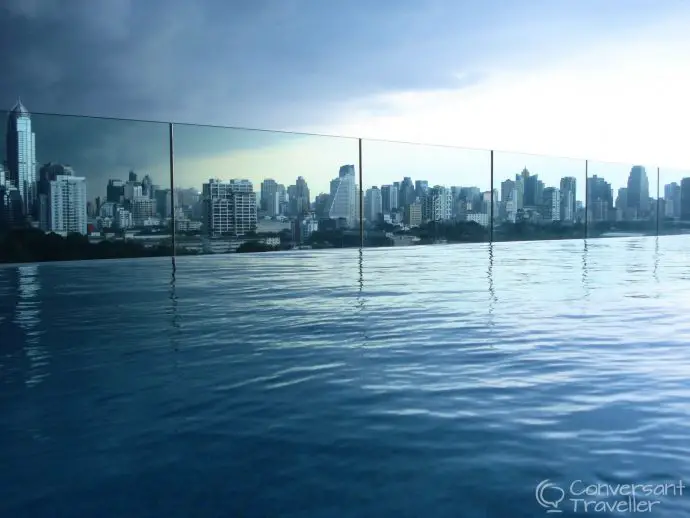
x=425, y=381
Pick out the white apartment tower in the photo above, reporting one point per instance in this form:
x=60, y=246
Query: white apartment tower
x=229, y=207
x=437, y=204
x=68, y=205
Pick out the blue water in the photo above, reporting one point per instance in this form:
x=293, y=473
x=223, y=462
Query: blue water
x=430, y=381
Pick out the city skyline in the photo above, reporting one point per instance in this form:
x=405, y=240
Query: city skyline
x=105, y=149
x=420, y=186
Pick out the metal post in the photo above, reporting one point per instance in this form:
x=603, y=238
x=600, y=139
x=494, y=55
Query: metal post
x=361, y=198
x=586, y=197
x=171, y=144
x=491, y=205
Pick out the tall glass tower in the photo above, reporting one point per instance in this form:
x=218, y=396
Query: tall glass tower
x=21, y=155
x=638, y=191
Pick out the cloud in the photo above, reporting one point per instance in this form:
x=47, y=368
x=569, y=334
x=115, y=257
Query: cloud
x=278, y=64
x=580, y=78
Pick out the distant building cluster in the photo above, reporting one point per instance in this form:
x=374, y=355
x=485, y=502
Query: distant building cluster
x=53, y=198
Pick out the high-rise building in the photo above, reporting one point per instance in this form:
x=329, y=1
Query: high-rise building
x=343, y=199
x=21, y=155
x=47, y=174
x=132, y=177
x=406, y=193
x=507, y=188
x=599, y=199
x=163, y=202
x=568, y=199
x=299, y=199
x=622, y=199
x=11, y=206
x=551, y=204
x=638, y=191
x=685, y=199
x=373, y=204
x=269, y=189
x=437, y=204
x=413, y=214
x=533, y=189
x=133, y=190
x=147, y=186
x=520, y=187
x=321, y=205
x=420, y=188
x=68, y=205
x=672, y=200
x=229, y=207
x=115, y=191
x=142, y=208
x=389, y=197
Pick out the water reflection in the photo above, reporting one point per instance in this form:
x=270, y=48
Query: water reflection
x=28, y=318
x=492, y=290
x=585, y=271
x=174, y=316
x=360, y=295
x=655, y=273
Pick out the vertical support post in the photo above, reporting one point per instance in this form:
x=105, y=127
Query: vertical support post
x=586, y=198
x=361, y=198
x=491, y=205
x=658, y=192
x=171, y=147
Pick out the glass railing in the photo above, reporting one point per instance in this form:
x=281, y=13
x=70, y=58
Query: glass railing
x=91, y=188
x=422, y=194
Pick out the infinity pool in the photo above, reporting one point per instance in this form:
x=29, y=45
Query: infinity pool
x=443, y=381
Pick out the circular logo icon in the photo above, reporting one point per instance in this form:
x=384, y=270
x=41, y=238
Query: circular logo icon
x=549, y=496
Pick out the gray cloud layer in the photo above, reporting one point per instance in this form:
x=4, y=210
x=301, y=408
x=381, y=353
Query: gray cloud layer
x=259, y=63
x=270, y=62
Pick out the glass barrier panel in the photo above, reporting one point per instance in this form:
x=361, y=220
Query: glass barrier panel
x=239, y=190
x=539, y=197
x=420, y=194
x=88, y=189
x=621, y=199
x=674, y=201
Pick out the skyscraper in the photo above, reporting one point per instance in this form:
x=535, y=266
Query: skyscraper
x=269, y=190
x=638, y=191
x=373, y=204
x=343, y=201
x=568, y=199
x=599, y=199
x=68, y=205
x=21, y=155
x=685, y=199
x=672, y=200
x=389, y=195
x=300, y=202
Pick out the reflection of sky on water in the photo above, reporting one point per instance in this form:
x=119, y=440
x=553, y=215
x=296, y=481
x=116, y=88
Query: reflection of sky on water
x=27, y=317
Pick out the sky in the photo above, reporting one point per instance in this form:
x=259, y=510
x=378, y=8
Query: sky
x=576, y=78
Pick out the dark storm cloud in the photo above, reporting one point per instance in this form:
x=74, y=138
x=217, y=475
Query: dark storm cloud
x=217, y=61
x=255, y=63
